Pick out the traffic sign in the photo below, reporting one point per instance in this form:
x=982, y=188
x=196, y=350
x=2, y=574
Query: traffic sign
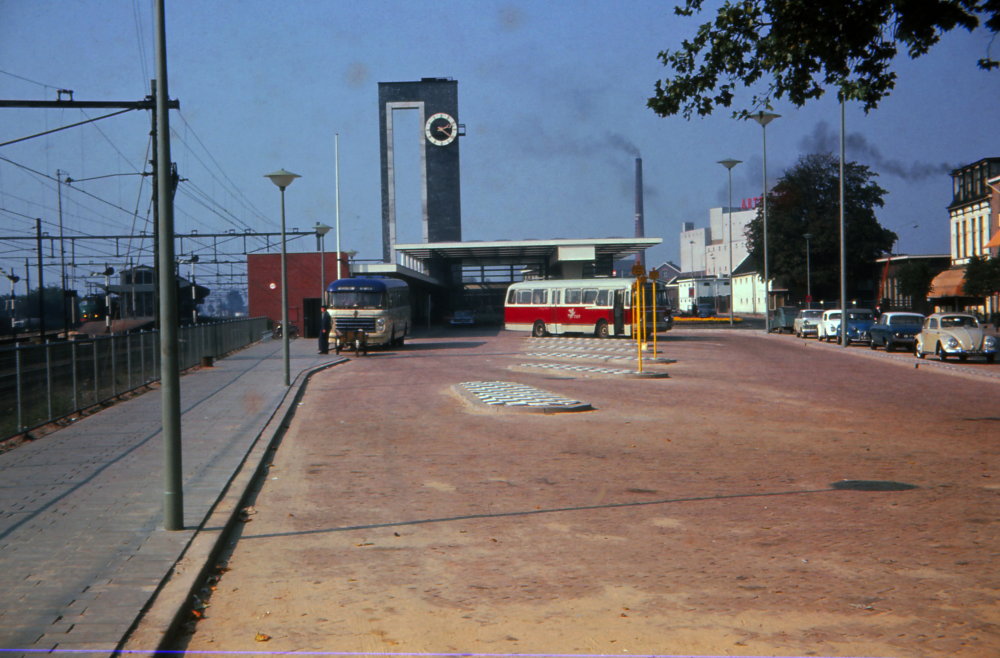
x=809, y=299
x=638, y=270
x=654, y=274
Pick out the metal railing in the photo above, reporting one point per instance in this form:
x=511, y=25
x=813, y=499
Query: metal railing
x=43, y=383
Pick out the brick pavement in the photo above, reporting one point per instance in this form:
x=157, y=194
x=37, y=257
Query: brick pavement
x=82, y=548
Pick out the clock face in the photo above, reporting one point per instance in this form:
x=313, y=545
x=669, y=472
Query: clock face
x=441, y=129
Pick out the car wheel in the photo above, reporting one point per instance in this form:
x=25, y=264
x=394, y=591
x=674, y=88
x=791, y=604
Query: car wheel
x=874, y=346
x=918, y=349
x=941, y=353
x=602, y=329
x=890, y=347
x=539, y=329
x=847, y=342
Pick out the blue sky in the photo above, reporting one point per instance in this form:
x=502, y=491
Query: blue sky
x=553, y=96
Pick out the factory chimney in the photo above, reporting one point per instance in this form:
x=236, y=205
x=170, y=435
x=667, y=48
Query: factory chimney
x=640, y=228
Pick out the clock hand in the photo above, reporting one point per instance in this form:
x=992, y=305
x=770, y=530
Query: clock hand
x=441, y=129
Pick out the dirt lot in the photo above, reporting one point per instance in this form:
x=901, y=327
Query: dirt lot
x=685, y=516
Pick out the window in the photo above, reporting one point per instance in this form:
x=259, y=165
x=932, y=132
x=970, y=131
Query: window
x=512, y=297
x=523, y=296
x=933, y=323
x=556, y=294
x=539, y=296
x=589, y=296
x=573, y=296
x=602, y=298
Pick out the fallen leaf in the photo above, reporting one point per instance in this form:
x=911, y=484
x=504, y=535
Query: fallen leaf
x=261, y=637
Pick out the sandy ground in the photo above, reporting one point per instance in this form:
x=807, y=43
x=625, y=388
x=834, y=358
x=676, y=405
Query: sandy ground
x=684, y=516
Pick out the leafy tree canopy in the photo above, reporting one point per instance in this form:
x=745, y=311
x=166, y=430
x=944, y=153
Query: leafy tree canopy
x=798, y=47
x=982, y=277
x=805, y=200
x=915, y=279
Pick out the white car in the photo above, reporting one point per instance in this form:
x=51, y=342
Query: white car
x=829, y=326
x=807, y=323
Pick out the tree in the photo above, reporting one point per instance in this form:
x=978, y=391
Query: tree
x=798, y=47
x=982, y=277
x=915, y=279
x=806, y=199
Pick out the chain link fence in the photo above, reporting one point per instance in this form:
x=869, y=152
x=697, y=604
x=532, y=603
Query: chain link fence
x=41, y=383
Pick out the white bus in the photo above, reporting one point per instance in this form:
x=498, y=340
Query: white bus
x=599, y=306
x=379, y=307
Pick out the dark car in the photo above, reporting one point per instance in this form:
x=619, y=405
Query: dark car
x=783, y=319
x=896, y=330
x=858, y=326
x=706, y=311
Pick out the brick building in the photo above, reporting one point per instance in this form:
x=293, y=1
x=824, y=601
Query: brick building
x=304, y=286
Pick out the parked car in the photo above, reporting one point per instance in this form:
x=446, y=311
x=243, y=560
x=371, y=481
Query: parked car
x=829, y=325
x=954, y=334
x=896, y=330
x=859, y=324
x=807, y=322
x=463, y=317
x=706, y=311
x=783, y=319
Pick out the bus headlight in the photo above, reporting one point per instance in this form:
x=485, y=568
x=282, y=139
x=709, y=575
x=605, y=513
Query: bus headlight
x=380, y=325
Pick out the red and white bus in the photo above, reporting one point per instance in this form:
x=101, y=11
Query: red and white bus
x=599, y=306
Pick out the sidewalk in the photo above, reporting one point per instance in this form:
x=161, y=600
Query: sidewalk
x=82, y=547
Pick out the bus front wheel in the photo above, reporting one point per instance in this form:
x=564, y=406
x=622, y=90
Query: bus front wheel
x=602, y=329
x=539, y=329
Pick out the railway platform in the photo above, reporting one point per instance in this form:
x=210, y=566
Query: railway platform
x=82, y=545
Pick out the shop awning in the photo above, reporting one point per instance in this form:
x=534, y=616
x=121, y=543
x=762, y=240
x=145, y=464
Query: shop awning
x=948, y=284
x=994, y=241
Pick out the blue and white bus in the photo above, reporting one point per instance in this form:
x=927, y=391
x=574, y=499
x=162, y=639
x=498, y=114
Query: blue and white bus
x=379, y=307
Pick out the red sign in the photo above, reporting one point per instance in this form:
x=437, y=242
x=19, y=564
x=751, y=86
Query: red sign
x=750, y=204
x=809, y=299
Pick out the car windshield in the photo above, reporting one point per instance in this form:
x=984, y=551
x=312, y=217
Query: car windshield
x=906, y=320
x=833, y=316
x=357, y=299
x=859, y=316
x=812, y=315
x=958, y=321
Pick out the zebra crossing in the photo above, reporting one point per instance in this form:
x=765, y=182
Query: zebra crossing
x=510, y=394
x=595, y=370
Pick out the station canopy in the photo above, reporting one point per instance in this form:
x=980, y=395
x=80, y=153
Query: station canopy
x=525, y=252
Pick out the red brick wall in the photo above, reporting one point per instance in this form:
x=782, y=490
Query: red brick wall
x=263, y=270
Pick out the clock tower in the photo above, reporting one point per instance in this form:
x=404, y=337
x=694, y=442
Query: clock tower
x=436, y=100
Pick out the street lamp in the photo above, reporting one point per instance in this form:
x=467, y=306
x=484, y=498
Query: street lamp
x=321, y=231
x=809, y=297
x=764, y=118
x=729, y=163
x=694, y=285
x=283, y=179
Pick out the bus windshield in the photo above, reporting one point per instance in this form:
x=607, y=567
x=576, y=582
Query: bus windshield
x=357, y=299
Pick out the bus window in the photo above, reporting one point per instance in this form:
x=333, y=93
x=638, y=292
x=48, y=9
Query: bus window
x=523, y=296
x=556, y=294
x=539, y=296
x=589, y=296
x=573, y=296
x=602, y=298
x=512, y=297
x=357, y=299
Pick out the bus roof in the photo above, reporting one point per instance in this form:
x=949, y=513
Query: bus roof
x=359, y=284
x=608, y=282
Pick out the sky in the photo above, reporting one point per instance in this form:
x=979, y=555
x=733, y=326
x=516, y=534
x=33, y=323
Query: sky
x=553, y=96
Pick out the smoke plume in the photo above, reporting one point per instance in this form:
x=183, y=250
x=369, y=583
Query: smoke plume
x=823, y=140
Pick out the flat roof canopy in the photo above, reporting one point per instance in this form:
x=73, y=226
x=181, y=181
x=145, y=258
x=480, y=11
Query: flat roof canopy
x=521, y=252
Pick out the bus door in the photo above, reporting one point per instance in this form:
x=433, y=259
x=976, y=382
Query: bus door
x=619, y=312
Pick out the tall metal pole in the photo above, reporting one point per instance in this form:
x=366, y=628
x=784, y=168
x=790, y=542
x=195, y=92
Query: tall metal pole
x=284, y=296
x=170, y=387
x=41, y=280
x=764, y=118
x=729, y=163
x=322, y=270
x=809, y=294
x=336, y=169
x=843, y=252
x=62, y=255
x=156, y=216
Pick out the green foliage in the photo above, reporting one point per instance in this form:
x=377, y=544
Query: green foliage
x=915, y=279
x=798, y=47
x=982, y=277
x=807, y=200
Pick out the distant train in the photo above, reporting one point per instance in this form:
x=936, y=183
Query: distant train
x=90, y=308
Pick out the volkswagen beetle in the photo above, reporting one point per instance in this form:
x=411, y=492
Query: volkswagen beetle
x=954, y=334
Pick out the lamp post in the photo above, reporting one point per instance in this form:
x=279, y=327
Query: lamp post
x=764, y=118
x=321, y=231
x=693, y=284
x=729, y=163
x=283, y=179
x=336, y=177
x=843, y=248
x=809, y=296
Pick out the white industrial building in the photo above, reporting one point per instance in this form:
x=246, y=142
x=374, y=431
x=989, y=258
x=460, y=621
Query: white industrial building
x=705, y=251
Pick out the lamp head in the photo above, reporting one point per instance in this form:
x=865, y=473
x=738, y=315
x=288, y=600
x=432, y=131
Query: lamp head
x=807, y=236
x=729, y=163
x=764, y=118
x=282, y=178
x=321, y=229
